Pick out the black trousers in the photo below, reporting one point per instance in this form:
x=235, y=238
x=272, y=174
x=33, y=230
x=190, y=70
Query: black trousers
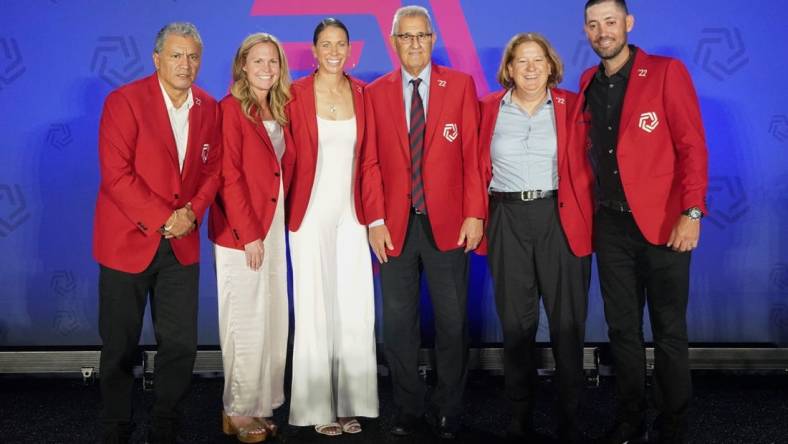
x=529, y=256
x=122, y=297
x=633, y=272
x=447, y=277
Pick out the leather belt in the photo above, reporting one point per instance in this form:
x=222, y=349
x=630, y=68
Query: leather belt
x=522, y=196
x=616, y=205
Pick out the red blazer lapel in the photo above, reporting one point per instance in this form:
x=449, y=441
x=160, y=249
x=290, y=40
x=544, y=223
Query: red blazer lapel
x=162, y=119
x=438, y=86
x=636, y=91
x=490, y=108
x=309, y=112
x=559, y=111
x=397, y=104
x=358, y=109
x=194, y=143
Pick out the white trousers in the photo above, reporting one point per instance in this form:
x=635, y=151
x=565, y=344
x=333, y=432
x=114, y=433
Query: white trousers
x=253, y=325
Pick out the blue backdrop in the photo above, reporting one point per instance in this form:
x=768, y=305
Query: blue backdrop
x=59, y=59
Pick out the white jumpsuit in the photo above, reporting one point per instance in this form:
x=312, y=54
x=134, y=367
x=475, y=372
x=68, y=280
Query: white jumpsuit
x=334, y=361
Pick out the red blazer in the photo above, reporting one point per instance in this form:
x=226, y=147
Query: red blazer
x=575, y=201
x=303, y=122
x=141, y=184
x=453, y=187
x=661, y=152
x=251, y=175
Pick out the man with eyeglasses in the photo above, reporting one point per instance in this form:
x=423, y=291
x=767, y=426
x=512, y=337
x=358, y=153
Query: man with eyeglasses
x=422, y=189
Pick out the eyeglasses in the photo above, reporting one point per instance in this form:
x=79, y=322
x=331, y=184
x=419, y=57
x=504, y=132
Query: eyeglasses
x=408, y=38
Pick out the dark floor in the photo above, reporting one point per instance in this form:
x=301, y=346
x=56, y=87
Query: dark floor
x=726, y=409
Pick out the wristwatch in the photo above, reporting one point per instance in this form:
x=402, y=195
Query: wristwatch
x=693, y=213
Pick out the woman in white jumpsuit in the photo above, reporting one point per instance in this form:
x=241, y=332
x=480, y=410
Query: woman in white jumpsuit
x=334, y=360
x=247, y=226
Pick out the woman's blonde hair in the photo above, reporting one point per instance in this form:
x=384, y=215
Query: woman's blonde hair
x=279, y=94
x=556, y=66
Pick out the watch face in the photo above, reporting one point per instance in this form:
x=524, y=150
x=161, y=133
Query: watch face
x=695, y=213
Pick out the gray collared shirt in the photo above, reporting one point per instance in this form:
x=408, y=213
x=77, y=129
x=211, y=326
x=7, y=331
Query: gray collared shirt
x=424, y=90
x=524, y=149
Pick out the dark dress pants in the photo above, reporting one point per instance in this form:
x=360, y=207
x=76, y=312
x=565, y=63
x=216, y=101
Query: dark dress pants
x=529, y=256
x=122, y=298
x=447, y=277
x=632, y=273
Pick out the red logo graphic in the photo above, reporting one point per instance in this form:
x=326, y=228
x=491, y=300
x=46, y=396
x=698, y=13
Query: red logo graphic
x=448, y=15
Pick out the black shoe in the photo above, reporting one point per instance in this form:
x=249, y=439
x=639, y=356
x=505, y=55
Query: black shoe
x=163, y=432
x=571, y=435
x=520, y=428
x=626, y=433
x=404, y=424
x=444, y=427
x=116, y=433
x=666, y=435
x=669, y=431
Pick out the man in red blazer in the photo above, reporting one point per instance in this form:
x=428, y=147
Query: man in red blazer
x=159, y=156
x=648, y=151
x=423, y=196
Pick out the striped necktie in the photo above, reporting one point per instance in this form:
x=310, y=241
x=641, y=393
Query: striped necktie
x=416, y=136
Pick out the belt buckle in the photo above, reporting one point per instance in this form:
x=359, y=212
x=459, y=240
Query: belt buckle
x=529, y=195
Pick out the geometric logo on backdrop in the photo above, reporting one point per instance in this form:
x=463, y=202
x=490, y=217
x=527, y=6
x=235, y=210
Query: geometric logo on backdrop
x=778, y=318
x=583, y=55
x=67, y=319
x=778, y=127
x=721, y=52
x=11, y=66
x=779, y=278
x=13, y=208
x=116, y=60
x=777, y=194
x=59, y=136
x=727, y=200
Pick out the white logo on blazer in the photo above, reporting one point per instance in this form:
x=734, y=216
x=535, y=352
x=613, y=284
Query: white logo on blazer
x=204, y=155
x=648, y=122
x=441, y=83
x=642, y=72
x=450, y=131
x=197, y=101
x=560, y=100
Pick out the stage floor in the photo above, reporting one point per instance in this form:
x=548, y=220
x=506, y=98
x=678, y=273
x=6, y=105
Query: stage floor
x=726, y=408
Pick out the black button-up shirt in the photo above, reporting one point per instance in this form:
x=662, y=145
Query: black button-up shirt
x=604, y=99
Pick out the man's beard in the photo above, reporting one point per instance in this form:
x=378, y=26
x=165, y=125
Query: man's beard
x=609, y=53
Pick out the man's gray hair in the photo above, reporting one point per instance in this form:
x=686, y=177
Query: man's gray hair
x=183, y=29
x=410, y=11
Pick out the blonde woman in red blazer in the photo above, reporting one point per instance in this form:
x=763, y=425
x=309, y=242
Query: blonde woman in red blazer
x=247, y=226
x=539, y=226
x=334, y=361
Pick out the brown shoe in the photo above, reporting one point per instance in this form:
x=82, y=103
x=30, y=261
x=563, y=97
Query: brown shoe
x=252, y=433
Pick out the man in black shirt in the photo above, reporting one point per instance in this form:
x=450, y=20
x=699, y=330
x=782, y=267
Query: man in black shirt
x=648, y=153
